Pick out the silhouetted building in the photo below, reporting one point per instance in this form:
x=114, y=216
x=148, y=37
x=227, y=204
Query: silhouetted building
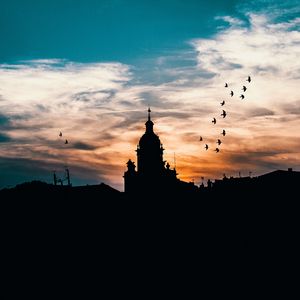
x=272, y=184
x=152, y=174
x=280, y=180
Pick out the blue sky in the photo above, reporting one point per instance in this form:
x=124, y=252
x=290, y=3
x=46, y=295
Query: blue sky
x=91, y=68
x=94, y=30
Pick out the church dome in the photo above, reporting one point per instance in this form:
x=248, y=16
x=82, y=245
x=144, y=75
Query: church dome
x=149, y=140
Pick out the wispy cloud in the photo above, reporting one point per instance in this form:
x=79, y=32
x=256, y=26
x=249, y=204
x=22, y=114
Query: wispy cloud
x=232, y=21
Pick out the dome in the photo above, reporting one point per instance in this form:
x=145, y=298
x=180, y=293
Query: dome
x=149, y=140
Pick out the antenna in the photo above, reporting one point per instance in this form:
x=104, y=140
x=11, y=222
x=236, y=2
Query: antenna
x=54, y=177
x=68, y=176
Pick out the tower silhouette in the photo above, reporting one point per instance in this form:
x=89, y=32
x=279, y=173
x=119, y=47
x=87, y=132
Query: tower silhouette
x=150, y=152
x=153, y=175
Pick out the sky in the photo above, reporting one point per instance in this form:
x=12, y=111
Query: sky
x=91, y=69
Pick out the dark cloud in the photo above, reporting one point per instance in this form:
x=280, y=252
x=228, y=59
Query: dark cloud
x=85, y=96
x=128, y=103
x=153, y=99
x=291, y=108
x=222, y=63
x=106, y=136
x=233, y=66
x=83, y=146
x=4, y=138
x=19, y=121
x=30, y=127
x=260, y=112
x=266, y=69
x=254, y=161
x=42, y=108
x=260, y=160
x=3, y=120
x=239, y=158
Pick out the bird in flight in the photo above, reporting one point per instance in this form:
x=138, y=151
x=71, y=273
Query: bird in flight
x=226, y=85
x=200, y=139
x=66, y=142
x=214, y=120
x=217, y=150
x=219, y=142
x=60, y=134
x=242, y=96
x=231, y=93
x=206, y=147
x=223, y=114
x=249, y=79
x=223, y=132
x=244, y=88
x=222, y=103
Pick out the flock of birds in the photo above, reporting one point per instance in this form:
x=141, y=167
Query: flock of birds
x=60, y=135
x=224, y=114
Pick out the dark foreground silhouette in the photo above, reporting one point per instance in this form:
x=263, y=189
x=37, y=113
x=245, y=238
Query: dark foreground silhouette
x=281, y=185
x=239, y=213
x=246, y=227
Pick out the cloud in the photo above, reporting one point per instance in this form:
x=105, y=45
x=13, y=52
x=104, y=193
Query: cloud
x=260, y=46
x=259, y=112
x=101, y=108
x=291, y=108
x=100, y=96
x=83, y=146
x=3, y=120
x=232, y=21
x=4, y=138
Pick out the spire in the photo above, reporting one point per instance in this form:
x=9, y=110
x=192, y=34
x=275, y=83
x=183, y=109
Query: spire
x=149, y=124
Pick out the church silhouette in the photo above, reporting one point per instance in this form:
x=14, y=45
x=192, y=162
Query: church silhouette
x=153, y=178
x=153, y=174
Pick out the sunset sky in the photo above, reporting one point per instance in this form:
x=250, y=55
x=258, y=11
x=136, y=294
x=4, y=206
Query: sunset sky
x=91, y=69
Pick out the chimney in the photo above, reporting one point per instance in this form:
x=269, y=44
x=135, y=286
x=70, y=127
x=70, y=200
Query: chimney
x=290, y=169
